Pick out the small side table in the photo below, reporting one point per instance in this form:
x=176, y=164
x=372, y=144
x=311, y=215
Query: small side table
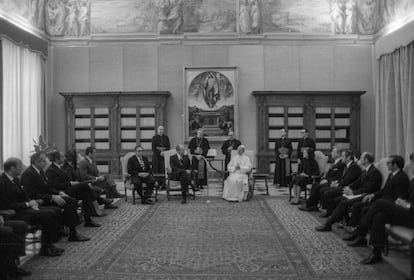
x=261, y=176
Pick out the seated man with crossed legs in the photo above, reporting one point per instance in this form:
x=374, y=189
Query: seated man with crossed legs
x=139, y=168
x=181, y=170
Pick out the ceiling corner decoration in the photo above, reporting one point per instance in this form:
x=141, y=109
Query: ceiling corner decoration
x=83, y=18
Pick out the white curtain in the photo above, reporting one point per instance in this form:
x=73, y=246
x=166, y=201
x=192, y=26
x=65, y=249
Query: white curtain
x=22, y=106
x=395, y=103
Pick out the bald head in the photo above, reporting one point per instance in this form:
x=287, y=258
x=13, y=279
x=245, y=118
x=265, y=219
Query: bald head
x=180, y=149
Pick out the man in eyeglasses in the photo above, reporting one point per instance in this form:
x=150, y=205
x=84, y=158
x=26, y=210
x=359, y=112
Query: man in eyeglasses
x=395, y=187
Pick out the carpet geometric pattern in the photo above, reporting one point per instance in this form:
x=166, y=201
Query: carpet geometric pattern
x=260, y=239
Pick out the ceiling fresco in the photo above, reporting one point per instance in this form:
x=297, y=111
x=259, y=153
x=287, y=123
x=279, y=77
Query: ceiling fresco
x=80, y=18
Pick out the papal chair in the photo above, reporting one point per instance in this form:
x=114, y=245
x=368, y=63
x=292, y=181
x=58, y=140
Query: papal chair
x=127, y=179
x=172, y=185
x=322, y=161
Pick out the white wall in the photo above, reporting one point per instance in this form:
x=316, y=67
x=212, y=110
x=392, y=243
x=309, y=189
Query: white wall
x=277, y=65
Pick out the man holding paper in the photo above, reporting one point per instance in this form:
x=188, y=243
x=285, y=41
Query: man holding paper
x=368, y=182
x=382, y=211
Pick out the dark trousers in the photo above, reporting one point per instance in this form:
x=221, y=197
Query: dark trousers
x=315, y=194
x=84, y=193
x=185, y=180
x=358, y=210
x=380, y=213
x=70, y=212
x=149, y=181
x=328, y=197
x=341, y=210
x=12, y=245
x=49, y=220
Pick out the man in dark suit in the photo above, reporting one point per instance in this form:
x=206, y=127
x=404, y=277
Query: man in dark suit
x=12, y=196
x=283, y=151
x=12, y=246
x=89, y=172
x=350, y=174
x=139, y=168
x=36, y=186
x=181, y=170
x=304, y=142
x=331, y=179
x=395, y=187
x=59, y=178
x=368, y=182
x=382, y=211
x=228, y=146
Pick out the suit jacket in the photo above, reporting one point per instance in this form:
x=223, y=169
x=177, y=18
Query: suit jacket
x=58, y=177
x=12, y=196
x=134, y=167
x=350, y=174
x=335, y=172
x=368, y=182
x=177, y=167
x=310, y=167
x=303, y=143
x=396, y=186
x=36, y=186
x=87, y=170
x=283, y=143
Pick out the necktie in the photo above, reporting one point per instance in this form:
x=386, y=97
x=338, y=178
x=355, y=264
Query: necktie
x=181, y=161
x=141, y=162
x=16, y=182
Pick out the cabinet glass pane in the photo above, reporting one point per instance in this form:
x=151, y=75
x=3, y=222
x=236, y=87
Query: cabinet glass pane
x=276, y=110
x=128, y=122
x=146, y=146
x=82, y=111
x=102, y=122
x=294, y=133
x=293, y=121
x=275, y=121
x=102, y=145
x=342, y=121
x=323, y=146
x=102, y=134
x=128, y=111
x=82, y=146
x=295, y=110
x=128, y=145
x=326, y=134
x=342, y=110
x=148, y=110
x=83, y=134
x=82, y=122
x=147, y=134
x=147, y=122
x=128, y=134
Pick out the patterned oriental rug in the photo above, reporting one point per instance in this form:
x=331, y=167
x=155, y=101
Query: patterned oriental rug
x=265, y=238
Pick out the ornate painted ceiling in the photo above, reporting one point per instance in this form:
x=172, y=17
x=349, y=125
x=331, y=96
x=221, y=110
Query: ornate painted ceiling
x=80, y=18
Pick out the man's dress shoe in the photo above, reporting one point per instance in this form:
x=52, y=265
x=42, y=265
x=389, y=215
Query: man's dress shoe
x=307, y=209
x=21, y=272
x=371, y=259
x=183, y=201
x=78, y=238
x=351, y=237
x=323, y=228
x=358, y=242
x=325, y=215
x=91, y=224
x=50, y=252
x=110, y=206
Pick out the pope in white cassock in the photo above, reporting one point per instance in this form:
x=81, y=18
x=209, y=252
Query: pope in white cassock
x=236, y=185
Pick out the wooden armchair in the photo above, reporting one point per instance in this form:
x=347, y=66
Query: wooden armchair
x=126, y=178
x=171, y=185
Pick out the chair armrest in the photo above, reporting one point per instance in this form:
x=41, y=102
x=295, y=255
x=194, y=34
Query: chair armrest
x=8, y=213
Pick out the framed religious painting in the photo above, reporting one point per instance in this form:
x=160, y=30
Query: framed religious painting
x=210, y=101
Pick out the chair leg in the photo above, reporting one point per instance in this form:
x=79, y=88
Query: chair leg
x=267, y=187
x=412, y=259
x=290, y=192
x=126, y=198
x=156, y=194
x=133, y=195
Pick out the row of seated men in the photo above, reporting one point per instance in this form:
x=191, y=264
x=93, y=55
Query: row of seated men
x=47, y=195
x=354, y=186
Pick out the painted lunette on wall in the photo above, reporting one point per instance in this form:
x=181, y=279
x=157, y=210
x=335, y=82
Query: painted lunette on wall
x=77, y=18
